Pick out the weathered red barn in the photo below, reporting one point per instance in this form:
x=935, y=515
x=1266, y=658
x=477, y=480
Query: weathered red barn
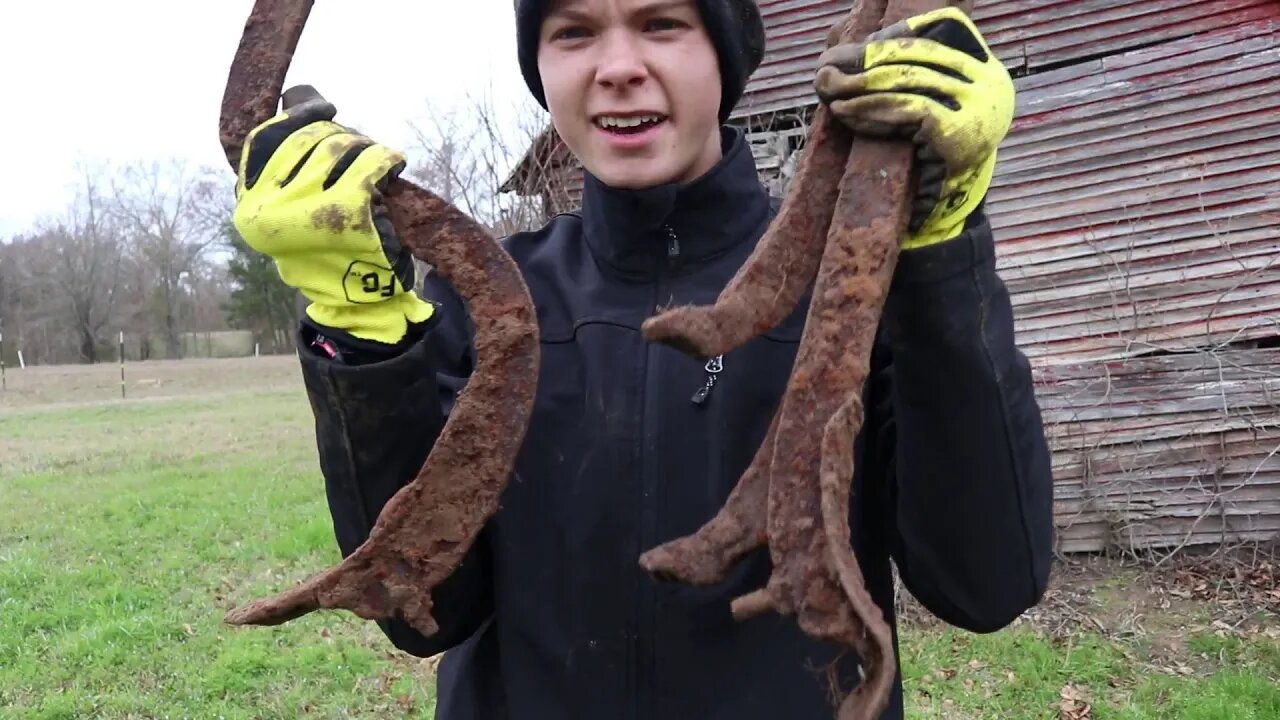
x=1137, y=214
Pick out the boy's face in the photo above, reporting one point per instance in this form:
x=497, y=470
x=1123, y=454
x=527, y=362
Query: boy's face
x=633, y=87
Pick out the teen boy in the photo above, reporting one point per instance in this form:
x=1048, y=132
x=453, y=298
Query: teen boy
x=551, y=616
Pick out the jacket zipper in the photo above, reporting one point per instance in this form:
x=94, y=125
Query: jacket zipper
x=716, y=364
x=646, y=612
x=714, y=367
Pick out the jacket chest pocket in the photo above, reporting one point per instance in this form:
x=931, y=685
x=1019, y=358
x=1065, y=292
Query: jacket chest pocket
x=584, y=424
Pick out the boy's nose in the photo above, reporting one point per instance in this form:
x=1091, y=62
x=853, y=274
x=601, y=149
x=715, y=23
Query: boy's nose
x=621, y=64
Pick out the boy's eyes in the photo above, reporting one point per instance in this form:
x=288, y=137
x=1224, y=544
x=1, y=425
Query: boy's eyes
x=652, y=25
x=662, y=24
x=570, y=32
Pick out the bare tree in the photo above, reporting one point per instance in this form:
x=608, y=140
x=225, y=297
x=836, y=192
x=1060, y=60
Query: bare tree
x=168, y=212
x=34, y=309
x=469, y=156
x=14, y=280
x=86, y=257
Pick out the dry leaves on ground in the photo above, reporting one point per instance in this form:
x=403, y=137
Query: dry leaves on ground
x=1229, y=583
x=1075, y=703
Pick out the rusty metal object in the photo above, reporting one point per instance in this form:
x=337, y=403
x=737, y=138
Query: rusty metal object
x=707, y=556
x=816, y=576
x=797, y=487
x=761, y=294
x=785, y=260
x=425, y=530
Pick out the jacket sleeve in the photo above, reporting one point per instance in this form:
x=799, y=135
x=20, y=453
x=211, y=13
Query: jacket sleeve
x=973, y=487
x=375, y=423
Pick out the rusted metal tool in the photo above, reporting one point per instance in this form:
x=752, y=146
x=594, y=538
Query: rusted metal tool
x=424, y=532
x=839, y=228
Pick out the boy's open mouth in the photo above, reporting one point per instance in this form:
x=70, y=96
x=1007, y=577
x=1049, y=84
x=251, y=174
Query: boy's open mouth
x=628, y=124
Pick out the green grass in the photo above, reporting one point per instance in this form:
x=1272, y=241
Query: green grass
x=128, y=529
x=1020, y=674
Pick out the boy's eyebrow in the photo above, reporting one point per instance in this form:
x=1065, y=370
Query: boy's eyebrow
x=565, y=8
x=664, y=6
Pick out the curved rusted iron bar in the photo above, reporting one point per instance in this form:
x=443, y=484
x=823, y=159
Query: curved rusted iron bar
x=763, y=292
x=424, y=532
x=809, y=448
x=815, y=574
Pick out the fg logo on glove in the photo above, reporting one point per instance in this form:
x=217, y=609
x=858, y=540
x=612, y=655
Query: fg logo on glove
x=366, y=282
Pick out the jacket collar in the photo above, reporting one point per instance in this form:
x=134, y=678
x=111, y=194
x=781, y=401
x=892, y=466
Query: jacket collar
x=631, y=230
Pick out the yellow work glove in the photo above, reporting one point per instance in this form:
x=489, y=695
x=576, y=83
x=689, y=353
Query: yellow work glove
x=309, y=195
x=934, y=80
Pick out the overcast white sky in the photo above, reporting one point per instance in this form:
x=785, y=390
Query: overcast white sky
x=119, y=80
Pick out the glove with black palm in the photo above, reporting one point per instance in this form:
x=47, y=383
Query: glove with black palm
x=309, y=195
x=934, y=80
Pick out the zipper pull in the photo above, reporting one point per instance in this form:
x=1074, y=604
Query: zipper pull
x=673, y=247
x=713, y=367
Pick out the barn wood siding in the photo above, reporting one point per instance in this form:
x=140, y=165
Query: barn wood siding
x=1137, y=200
x=1153, y=453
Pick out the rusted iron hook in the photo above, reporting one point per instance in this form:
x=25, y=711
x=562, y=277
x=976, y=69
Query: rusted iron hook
x=839, y=228
x=424, y=532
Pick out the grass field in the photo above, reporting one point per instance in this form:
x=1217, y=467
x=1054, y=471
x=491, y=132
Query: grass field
x=127, y=529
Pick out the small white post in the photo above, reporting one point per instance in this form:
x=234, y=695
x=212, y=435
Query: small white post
x=122, y=364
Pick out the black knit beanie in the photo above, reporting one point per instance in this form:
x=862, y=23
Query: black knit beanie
x=735, y=27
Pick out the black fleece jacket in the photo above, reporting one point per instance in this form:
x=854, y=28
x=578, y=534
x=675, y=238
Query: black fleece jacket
x=551, y=617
